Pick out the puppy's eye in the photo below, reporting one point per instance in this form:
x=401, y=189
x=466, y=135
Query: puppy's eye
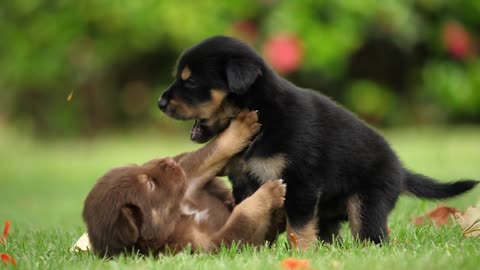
x=191, y=83
x=151, y=185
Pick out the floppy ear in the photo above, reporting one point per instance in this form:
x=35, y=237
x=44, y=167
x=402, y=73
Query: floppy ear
x=127, y=230
x=241, y=74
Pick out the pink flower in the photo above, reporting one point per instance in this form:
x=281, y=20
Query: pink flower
x=457, y=40
x=284, y=52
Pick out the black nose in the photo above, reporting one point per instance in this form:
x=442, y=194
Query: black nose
x=162, y=104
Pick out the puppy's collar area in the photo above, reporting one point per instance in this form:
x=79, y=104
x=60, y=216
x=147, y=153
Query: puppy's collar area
x=249, y=151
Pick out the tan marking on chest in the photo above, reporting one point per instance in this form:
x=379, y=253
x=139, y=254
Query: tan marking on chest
x=265, y=169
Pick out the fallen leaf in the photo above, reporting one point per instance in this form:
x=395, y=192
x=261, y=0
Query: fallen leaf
x=440, y=216
x=469, y=221
x=82, y=244
x=69, y=97
x=295, y=264
x=6, y=259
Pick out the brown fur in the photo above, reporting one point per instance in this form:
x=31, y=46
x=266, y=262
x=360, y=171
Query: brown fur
x=305, y=235
x=185, y=73
x=154, y=207
x=354, y=214
x=214, y=108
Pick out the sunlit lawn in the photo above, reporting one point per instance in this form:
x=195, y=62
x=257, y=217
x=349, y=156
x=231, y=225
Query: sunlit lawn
x=43, y=185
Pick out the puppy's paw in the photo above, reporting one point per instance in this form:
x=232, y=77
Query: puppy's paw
x=241, y=130
x=276, y=191
x=245, y=125
x=248, y=117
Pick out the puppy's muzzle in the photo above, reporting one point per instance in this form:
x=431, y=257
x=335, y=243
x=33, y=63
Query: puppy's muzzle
x=163, y=104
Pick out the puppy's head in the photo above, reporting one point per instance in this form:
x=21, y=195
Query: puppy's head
x=210, y=80
x=134, y=207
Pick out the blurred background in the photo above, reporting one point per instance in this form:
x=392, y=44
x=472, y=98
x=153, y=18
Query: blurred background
x=411, y=62
x=80, y=80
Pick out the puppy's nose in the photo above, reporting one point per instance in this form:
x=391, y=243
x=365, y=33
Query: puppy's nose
x=163, y=104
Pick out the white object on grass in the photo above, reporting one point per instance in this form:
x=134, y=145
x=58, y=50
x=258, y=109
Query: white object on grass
x=82, y=244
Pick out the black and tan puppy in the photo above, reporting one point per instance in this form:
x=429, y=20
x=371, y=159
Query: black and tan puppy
x=336, y=167
x=169, y=204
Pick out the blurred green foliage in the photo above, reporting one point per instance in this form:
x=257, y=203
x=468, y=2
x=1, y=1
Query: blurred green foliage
x=390, y=61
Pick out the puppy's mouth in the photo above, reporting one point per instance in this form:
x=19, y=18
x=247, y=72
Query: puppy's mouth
x=201, y=132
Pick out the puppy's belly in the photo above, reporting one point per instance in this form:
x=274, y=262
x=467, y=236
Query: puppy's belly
x=333, y=209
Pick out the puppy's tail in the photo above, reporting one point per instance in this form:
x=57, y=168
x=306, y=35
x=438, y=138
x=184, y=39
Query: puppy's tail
x=426, y=187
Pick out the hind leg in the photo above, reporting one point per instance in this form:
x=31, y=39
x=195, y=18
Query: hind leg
x=250, y=220
x=367, y=214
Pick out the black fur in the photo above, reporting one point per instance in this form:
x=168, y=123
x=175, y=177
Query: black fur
x=332, y=155
x=241, y=75
x=426, y=187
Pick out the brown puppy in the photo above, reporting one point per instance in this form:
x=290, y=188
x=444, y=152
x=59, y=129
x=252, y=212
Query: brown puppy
x=169, y=204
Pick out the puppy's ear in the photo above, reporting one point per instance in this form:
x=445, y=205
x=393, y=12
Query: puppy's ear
x=241, y=74
x=127, y=230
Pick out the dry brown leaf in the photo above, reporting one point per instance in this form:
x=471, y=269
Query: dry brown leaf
x=469, y=221
x=440, y=216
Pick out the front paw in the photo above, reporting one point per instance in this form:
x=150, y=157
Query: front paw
x=238, y=135
x=245, y=125
x=275, y=191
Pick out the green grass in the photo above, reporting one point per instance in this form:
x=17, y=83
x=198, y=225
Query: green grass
x=43, y=185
